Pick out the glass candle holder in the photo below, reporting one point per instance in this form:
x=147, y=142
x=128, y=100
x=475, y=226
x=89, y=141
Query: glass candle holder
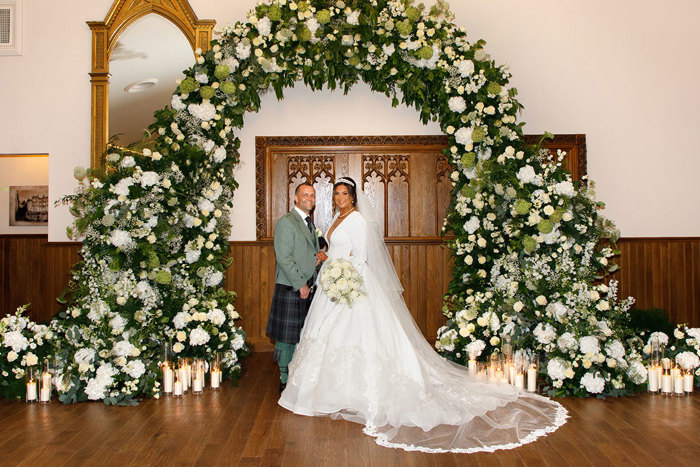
x=533, y=368
x=688, y=380
x=168, y=377
x=666, y=381
x=678, y=389
x=45, y=385
x=198, y=376
x=31, y=378
x=178, y=388
x=183, y=374
x=215, y=371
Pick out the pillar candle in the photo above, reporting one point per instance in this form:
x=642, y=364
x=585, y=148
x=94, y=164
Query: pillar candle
x=688, y=382
x=177, y=388
x=653, y=379
x=167, y=379
x=678, y=381
x=31, y=390
x=215, y=378
x=532, y=379
x=666, y=384
x=520, y=381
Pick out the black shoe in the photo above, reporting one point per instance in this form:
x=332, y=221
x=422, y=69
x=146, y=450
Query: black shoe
x=282, y=386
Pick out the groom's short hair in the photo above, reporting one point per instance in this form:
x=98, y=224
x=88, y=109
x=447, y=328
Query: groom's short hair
x=296, y=190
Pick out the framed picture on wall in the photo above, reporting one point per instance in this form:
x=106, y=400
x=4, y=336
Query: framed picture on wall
x=29, y=205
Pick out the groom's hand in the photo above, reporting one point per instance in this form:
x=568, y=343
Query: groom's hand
x=320, y=257
x=304, y=292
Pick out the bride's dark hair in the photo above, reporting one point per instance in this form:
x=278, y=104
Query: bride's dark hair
x=350, y=184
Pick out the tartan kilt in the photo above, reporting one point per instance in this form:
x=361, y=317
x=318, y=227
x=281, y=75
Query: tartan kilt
x=287, y=314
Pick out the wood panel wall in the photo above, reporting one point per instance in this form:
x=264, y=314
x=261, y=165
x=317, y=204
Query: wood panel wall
x=658, y=272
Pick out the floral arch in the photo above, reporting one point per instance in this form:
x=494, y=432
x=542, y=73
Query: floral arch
x=524, y=236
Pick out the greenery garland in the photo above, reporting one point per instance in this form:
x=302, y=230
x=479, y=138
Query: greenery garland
x=526, y=237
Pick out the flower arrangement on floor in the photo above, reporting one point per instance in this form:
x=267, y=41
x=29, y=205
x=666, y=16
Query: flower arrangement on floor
x=341, y=282
x=23, y=344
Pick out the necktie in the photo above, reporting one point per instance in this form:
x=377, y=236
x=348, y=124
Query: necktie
x=309, y=224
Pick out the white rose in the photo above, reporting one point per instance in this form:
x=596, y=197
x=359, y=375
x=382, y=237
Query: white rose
x=517, y=306
x=541, y=300
x=12, y=356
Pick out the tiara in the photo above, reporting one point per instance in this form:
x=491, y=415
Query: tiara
x=346, y=180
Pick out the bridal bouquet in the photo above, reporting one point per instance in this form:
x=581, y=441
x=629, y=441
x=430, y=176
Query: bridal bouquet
x=341, y=282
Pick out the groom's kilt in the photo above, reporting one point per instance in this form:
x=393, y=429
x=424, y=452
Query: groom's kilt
x=287, y=314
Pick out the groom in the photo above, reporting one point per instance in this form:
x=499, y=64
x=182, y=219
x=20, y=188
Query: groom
x=296, y=249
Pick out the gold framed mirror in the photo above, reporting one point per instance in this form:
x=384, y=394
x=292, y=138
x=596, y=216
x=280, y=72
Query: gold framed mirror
x=104, y=38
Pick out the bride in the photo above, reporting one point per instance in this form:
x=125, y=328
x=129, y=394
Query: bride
x=369, y=363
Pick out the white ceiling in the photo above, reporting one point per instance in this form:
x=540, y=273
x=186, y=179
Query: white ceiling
x=151, y=47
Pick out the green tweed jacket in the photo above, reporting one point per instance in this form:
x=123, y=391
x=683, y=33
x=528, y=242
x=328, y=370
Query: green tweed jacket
x=295, y=251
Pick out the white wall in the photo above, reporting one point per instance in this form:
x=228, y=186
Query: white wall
x=621, y=72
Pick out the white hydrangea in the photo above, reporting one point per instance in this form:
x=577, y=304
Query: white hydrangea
x=121, y=239
x=199, y=336
x=149, y=179
x=201, y=78
x=457, y=104
x=545, y=334
x=565, y=188
x=475, y=348
x=659, y=338
x=242, y=51
x=465, y=68
x=96, y=387
x=204, y=111
x=213, y=279
x=230, y=62
x=527, y=174
x=472, y=225
x=123, y=348
x=615, y=349
x=128, y=161
x=117, y=323
x=264, y=26
x=464, y=136
x=216, y=317
x=176, y=103
x=567, y=342
x=589, y=345
x=237, y=342
x=558, y=310
x=637, y=372
x=135, y=369
x=205, y=205
x=592, y=383
x=121, y=189
x=219, y=154
x=389, y=49
x=688, y=360
x=16, y=341
x=556, y=369
x=180, y=320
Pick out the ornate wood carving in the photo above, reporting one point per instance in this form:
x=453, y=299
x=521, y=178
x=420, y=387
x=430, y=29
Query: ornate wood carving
x=104, y=37
x=575, y=147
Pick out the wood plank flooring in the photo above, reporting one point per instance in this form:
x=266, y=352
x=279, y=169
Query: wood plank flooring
x=243, y=425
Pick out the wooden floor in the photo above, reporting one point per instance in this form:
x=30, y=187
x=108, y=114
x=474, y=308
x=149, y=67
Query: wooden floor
x=244, y=426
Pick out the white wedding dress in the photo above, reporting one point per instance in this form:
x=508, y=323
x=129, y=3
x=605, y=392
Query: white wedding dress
x=370, y=364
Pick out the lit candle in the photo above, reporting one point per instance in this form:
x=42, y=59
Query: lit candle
x=197, y=383
x=688, y=381
x=177, y=388
x=31, y=390
x=653, y=379
x=532, y=378
x=666, y=383
x=183, y=377
x=511, y=373
x=45, y=387
x=472, y=366
x=167, y=379
x=215, y=378
x=520, y=380
x=678, y=382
